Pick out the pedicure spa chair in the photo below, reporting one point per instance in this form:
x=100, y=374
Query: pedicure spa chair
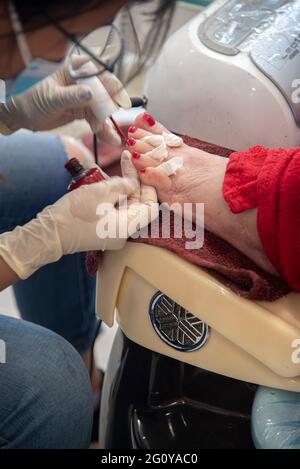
x=189, y=352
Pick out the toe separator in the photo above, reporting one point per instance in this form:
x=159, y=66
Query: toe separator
x=172, y=166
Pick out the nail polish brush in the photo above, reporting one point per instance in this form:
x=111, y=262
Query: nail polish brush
x=118, y=130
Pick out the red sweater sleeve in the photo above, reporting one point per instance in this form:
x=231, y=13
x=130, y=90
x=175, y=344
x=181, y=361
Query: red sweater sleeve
x=269, y=180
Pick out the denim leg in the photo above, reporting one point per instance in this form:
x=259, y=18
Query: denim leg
x=60, y=296
x=45, y=390
x=276, y=419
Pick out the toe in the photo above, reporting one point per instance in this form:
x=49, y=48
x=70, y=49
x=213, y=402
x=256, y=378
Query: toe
x=141, y=161
x=135, y=145
x=155, y=178
x=138, y=134
x=147, y=122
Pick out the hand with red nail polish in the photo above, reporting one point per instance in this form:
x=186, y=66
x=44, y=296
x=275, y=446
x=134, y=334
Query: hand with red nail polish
x=149, y=119
x=130, y=142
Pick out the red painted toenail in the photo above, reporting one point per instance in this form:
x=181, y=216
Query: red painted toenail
x=136, y=155
x=142, y=170
x=132, y=129
x=149, y=119
x=131, y=142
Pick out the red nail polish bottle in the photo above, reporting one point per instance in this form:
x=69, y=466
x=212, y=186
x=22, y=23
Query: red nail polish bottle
x=82, y=176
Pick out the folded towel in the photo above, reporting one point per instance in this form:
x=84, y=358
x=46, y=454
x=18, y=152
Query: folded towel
x=217, y=257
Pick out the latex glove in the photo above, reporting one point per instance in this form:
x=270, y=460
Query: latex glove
x=58, y=100
x=78, y=222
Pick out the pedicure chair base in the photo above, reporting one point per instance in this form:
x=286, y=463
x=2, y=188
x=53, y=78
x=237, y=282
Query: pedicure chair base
x=154, y=402
x=189, y=353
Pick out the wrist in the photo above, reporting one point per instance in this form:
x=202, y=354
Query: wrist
x=238, y=229
x=28, y=248
x=215, y=208
x=4, y=130
x=7, y=118
x=7, y=275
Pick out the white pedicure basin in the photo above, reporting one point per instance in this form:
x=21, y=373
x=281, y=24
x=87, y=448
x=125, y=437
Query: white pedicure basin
x=246, y=340
x=183, y=332
x=231, y=75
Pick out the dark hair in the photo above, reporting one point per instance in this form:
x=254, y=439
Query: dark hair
x=35, y=14
x=32, y=12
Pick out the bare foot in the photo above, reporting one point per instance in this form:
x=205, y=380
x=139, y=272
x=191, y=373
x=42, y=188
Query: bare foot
x=199, y=181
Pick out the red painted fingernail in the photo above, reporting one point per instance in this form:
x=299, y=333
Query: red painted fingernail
x=142, y=170
x=149, y=119
x=132, y=129
x=131, y=142
x=136, y=155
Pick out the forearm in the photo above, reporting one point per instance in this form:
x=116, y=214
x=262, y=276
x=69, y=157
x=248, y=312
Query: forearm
x=7, y=275
x=28, y=248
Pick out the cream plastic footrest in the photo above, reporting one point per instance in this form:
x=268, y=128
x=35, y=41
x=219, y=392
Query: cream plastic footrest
x=250, y=341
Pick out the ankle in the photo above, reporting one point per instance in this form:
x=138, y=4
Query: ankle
x=240, y=230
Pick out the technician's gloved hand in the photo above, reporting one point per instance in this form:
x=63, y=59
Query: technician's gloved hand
x=86, y=219
x=58, y=100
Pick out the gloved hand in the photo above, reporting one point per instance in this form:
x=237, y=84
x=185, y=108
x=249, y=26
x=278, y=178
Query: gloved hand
x=58, y=100
x=86, y=219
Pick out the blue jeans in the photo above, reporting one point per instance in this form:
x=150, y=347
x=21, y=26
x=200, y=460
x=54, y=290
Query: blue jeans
x=45, y=392
x=45, y=396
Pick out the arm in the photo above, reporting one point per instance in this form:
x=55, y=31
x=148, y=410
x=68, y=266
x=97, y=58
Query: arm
x=7, y=275
x=78, y=223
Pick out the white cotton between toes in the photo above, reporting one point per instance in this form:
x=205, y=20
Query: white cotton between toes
x=160, y=153
x=172, y=140
x=172, y=166
x=154, y=140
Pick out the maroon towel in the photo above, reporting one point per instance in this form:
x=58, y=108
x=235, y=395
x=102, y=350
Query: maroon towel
x=219, y=258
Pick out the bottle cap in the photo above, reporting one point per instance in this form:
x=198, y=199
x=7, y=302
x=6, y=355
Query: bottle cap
x=74, y=167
